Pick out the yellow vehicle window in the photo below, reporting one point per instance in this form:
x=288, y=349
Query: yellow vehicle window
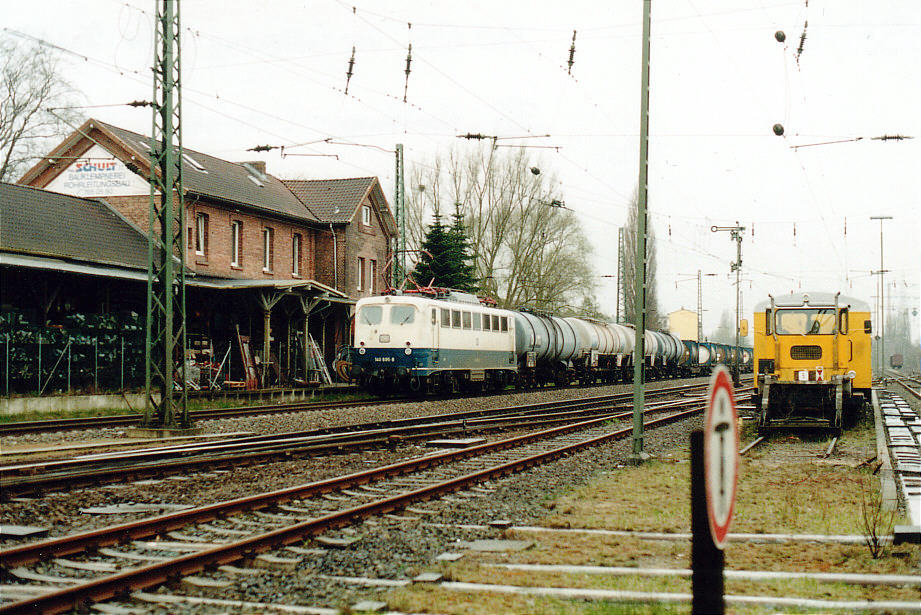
x=805, y=322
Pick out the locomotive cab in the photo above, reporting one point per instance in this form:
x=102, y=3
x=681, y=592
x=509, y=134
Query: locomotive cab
x=812, y=359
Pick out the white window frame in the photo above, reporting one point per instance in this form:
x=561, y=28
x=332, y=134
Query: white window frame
x=361, y=272
x=268, y=237
x=236, y=240
x=296, y=254
x=201, y=230
x=366, y=215
x=372, y=273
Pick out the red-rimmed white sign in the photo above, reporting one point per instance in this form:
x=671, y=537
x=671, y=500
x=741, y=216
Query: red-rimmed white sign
x=721, y=454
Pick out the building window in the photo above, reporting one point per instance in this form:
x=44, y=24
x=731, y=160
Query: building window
x=296, y=255
x=366, y=215
x=373, y=282
x=236, y=238
x=361, y=273
x=201, y=234
x=268, y=248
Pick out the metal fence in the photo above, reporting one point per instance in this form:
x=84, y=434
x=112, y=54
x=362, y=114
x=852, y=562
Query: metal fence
x=86, y=353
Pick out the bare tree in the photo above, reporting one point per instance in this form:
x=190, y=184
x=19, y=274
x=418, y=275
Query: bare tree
x=31, y=85
x=725, y=333
x=654, y=319
x=529, y=249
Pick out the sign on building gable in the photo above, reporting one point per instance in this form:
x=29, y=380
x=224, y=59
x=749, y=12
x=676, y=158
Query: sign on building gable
x=98, y=174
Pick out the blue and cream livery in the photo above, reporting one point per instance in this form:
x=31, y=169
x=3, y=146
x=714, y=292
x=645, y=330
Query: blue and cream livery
x=421, y=343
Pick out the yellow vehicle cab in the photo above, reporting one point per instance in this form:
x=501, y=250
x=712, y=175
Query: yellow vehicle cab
x=812, y=360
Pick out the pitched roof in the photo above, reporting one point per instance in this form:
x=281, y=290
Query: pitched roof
x=332, y=200
x=232, y=182
x=42, y=223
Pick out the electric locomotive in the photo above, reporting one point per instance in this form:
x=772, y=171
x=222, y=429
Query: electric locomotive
x=812, y=359
x=437, y=343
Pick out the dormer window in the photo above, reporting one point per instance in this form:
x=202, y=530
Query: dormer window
x=366, y=215
x=255, y=175
x=194, y=163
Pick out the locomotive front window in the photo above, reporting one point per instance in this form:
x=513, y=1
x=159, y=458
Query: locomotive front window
x=504, y=321
x=402, y=314
x=445, y=318
x=455, y=319
x=370, y=314
x=805, y=322
x=495, y=323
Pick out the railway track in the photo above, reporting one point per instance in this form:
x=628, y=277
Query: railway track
x=909, y=383
x=126, y=420
x=37, y=477
x=68, y=571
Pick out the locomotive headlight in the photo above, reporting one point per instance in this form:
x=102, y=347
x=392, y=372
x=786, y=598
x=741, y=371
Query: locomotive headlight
x=362, y=350
x=408, y=351
x=851, y=375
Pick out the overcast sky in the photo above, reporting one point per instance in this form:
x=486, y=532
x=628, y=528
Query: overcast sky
x=274, y=72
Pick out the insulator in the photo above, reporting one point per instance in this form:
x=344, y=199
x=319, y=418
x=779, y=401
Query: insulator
x=802, y=41
x=572, y=51
x=349, y=72
x=409, y=61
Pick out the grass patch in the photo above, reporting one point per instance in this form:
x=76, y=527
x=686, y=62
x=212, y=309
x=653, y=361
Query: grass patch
x=784, y=487
x=64, y=414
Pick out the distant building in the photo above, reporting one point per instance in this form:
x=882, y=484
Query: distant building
x=684, y=323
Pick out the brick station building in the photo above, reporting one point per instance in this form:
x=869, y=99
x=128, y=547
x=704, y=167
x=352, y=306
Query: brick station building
x=274, y=262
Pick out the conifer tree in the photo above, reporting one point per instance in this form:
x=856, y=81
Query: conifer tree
x=446, y=260
x=432, y=269
x=464, y=275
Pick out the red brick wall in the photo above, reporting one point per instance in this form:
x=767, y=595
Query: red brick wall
x=370, y=243
x=216, y=261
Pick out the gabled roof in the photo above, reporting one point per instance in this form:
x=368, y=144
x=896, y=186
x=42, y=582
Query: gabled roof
x=228, y=181
x=202, y=175
x=41, y=223
x=336, y=201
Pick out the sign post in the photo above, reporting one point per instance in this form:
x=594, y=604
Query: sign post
x=714, y=473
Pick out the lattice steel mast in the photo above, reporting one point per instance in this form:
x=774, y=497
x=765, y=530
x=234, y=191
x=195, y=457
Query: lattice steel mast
x=165, y=371
x=399, y=204
x=621, y=315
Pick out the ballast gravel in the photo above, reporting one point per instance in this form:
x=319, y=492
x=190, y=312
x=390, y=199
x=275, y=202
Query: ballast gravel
x=387, y=548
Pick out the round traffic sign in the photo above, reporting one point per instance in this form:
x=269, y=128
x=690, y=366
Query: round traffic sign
x=721, y=454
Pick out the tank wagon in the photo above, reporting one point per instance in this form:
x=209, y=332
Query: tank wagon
x=812, y=356
x=442, y=341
